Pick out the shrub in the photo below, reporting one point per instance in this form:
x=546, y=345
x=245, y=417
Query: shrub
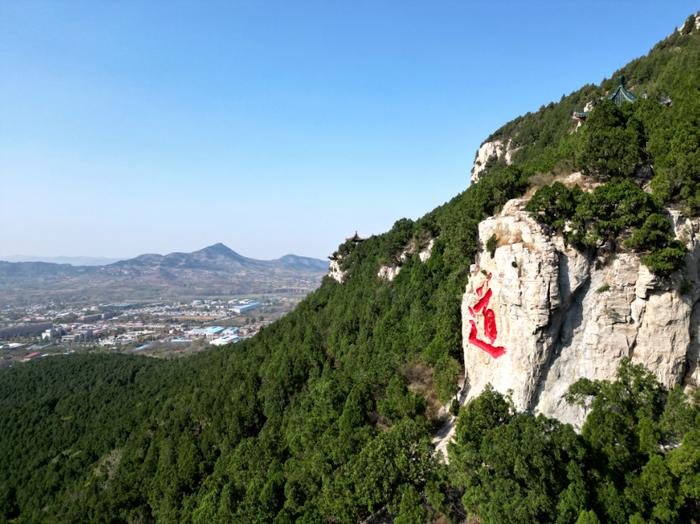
x=666, y=260
x=610, y=143
x=654, y=233
x=610, y=210
x=554, y=204
x=491, y=245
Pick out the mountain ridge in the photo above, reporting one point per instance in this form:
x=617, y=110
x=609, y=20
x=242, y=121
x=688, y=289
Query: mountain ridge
x=89, y=261
x=212, y=270
x=72, y=260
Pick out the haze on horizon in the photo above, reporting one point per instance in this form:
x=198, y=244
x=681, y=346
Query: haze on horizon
x=132, y=128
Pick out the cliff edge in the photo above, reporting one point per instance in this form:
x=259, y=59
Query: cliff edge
x=537, y=315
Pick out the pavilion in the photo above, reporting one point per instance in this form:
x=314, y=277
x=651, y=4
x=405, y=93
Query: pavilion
x=621, y=94
x=355, y=238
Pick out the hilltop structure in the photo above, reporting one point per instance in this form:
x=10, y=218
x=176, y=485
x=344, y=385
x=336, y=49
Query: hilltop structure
x=619, y=96
x=355, y=238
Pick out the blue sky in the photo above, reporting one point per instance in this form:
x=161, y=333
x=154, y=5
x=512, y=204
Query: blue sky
x=274, y=127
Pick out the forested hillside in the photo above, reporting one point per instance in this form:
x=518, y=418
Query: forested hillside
x=328, y=414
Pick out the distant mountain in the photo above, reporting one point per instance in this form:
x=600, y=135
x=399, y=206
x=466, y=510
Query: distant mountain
x=213, y=270
x=219, y=256
x=73, y=261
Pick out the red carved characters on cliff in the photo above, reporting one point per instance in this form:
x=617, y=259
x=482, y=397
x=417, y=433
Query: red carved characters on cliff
x=481, y=311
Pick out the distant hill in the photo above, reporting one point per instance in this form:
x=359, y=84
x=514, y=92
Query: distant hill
x=73, y=261
x=221, y=257
x=213, y=270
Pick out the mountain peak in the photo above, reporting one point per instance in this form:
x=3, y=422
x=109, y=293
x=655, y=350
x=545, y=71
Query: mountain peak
x=219, y=249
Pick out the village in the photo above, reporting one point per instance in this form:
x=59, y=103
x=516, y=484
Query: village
x=159, y=329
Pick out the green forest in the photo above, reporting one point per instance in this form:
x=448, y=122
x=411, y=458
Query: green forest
x=327, y=415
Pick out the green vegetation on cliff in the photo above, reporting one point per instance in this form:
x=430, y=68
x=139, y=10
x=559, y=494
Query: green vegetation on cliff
x=636, y=460
x=627, y=147
x=616, y=208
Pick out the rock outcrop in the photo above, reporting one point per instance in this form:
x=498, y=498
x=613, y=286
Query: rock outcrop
x=538, y=315
x=697, y=24
x=492, y=150
x=335, y=271
x=389, y=273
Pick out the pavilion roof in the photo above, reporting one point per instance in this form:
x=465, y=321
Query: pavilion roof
x=621, y=95
x=356, y=238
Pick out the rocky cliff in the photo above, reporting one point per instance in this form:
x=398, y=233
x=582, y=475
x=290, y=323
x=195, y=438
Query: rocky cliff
x=389, y=273
x=538, y=314
x=491, y=151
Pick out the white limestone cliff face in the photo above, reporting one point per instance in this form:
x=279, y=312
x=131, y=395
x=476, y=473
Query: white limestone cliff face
x=389, y=273
x=544, y=315
x=424, y=254
x=335, y=272
x=494, y=149
x=697, y=24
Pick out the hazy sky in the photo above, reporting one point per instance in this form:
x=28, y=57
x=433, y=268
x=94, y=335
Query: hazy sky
x=274, y=127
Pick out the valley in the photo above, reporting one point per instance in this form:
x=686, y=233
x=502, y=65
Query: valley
x=157, y=305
